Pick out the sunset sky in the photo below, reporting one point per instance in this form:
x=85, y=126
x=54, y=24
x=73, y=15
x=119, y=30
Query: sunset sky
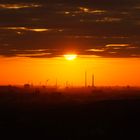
x=36, y=34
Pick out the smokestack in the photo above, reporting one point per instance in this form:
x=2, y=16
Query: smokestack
x=85, y=79
x=93, y=85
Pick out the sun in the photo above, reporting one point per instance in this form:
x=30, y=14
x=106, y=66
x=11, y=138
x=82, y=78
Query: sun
x=70, y=57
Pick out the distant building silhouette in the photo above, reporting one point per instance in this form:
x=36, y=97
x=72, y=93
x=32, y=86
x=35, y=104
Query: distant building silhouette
x=26, y=85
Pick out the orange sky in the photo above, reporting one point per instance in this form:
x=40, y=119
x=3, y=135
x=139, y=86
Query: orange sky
x=107, y=71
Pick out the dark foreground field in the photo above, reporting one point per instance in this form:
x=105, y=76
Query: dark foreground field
x=57, y=116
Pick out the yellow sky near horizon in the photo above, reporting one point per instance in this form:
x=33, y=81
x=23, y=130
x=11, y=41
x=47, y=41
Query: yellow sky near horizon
x=107, y=71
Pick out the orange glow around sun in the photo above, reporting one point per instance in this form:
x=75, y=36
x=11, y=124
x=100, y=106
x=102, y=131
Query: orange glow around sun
x=107, y=71
x=70, y=57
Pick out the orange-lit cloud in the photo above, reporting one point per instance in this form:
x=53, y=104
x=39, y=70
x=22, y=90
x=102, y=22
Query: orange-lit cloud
x=91, y=11
x=19, y=6
x=117, y=45
x=26, y=29
x=83, y=10
x=95, y=50
x=109, y=19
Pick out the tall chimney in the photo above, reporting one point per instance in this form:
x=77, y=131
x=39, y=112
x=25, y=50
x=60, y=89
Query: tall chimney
x=93, y=80
x=85, y=79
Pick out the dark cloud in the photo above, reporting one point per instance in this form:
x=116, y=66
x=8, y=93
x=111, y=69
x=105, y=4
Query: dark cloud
x=99, y=26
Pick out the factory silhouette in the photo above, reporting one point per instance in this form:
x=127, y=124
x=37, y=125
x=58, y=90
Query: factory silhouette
x=67, y=84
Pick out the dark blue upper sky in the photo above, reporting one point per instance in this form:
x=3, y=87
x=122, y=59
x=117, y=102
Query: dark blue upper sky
x=46, y=28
